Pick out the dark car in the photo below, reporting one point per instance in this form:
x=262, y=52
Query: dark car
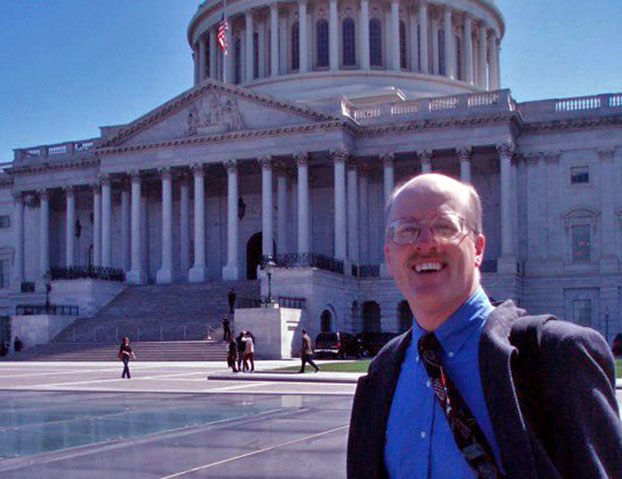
x=336, y=344
x=616, y=349
x=371, y=343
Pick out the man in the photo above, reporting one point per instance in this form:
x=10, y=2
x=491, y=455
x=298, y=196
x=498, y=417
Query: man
x=306, y=353
x=226, y=328
x=231, y=298
x=526, y=397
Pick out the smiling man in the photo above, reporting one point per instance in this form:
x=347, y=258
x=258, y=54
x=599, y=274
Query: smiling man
x=474, y=391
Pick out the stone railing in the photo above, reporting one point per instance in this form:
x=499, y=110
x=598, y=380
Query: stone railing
x=284, y=301
x=47, y=151
x=309, y=260
x=51, y=309
x=88, y=272
x=607, y=104
x=454, y=105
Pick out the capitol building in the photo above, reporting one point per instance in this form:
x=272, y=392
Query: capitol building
x=288, y=147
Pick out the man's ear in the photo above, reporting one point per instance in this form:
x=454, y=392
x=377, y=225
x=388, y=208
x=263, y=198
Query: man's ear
x=479, y=245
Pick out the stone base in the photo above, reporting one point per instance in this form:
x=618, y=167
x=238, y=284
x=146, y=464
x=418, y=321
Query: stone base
x=230, y=273
x=136, y=277
x=164, y=276
x=197, y=274
x=609, y=264
x=276, y=330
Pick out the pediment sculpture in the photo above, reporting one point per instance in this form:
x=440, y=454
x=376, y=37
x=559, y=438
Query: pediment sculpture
x=213, y=115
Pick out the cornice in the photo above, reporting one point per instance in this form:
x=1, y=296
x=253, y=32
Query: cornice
x=66, y=165
x=571, y=124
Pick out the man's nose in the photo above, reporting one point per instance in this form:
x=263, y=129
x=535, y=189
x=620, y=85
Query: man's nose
x=426, y=239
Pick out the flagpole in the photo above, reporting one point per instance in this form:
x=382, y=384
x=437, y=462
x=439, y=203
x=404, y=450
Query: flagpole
x=225, y=50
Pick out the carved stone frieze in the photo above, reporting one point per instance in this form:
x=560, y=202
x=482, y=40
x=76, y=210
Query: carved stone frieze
x=214, y=114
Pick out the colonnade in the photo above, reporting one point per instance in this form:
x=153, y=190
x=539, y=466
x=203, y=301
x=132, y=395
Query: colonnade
x=350, y=200
x=278, y=39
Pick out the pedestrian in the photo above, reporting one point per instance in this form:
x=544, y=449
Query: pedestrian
x=306, y=353
x=473, y=390
x=249, y=351
x=17, y=344
x=231, y=297
x=232, y=354
x=125, y=353
x=241, y=348
x=226, y=327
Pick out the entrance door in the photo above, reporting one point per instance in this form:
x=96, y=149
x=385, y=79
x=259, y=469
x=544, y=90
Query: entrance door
x=371, y=317
x=253, y=255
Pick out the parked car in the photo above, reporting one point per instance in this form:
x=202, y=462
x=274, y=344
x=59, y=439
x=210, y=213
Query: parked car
x=371, y=343
x=336, y=344
x=616, y=349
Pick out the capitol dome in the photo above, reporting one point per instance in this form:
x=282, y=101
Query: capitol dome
x=352, y=48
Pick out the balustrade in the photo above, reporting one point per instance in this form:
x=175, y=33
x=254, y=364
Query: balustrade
x=88, y=272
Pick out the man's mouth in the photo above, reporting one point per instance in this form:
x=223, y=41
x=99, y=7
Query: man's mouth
x=428, y=267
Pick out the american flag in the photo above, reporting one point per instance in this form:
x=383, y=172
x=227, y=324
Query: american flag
x=223, y=28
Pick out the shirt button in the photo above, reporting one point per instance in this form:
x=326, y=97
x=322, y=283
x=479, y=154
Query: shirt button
x=451, y=354
x=428, y=383
x=422, y=434
x=417, y=358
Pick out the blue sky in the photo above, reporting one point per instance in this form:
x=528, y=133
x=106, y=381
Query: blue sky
x=70, y=66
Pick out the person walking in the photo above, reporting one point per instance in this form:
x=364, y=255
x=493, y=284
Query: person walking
x=226, y=328
x=231, y=297
x=306, y=353
x=241, y=347
x=125, y=353
x=249, y=351
x=232, y=354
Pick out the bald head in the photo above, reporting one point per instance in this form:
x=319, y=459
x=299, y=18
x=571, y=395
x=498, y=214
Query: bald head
x=437, y=183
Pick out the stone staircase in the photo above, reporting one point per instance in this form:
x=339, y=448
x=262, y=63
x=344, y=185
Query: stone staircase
x=144, y=350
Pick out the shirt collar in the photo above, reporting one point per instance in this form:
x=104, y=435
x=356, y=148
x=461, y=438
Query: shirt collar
x=457, y=329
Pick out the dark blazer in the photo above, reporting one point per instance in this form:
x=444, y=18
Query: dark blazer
x=566, y=424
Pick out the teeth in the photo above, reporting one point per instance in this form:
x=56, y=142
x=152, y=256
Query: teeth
x=428, y=267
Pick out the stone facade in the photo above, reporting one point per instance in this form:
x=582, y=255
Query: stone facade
x=296, y=163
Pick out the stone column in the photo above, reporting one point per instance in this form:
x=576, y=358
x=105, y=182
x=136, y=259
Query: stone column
x=339, y=158
x=261, y=46
x=213, y=52
x=423, y=37
x=202, y=55
x=414, y=43
x=507, y=261
x=492, y=72
x=195, y=64
x=44, y=228
x=284, y=43
x=70, y=222
x=364, y=217
x=436, y=67
x=18, y=220
x=609, y=259
x=394, y=50
x=553, y=218
x=136, y=275
x=267, y=236
x=304, y=243
x=198, y=272
x=184, y=226
x=498, y=63
x=481, y=77
x=274, y=39
x=125, y=227
x=468, y=49
x=426, y=161
x=250, y=51
x=97, y=225
x=364, y=38
x=106, y=221
x=230, y=271
x=450, y=50
x=303, y=36
x=389, y=176
x=281, y=206
x=165, y=273
x=333, y=36
x=464, y=155
x=353, y=214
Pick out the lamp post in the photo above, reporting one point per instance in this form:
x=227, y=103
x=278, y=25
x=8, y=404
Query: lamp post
x=269, y=266
x=78, y=232
x=48, y=289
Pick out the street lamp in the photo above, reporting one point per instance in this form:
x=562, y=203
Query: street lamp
x=48, y=289
x=269, y=266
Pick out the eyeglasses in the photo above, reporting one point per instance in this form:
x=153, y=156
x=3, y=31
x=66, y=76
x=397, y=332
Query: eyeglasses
x=445, y=229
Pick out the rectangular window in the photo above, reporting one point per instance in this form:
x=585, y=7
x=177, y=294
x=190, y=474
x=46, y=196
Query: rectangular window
x=5, y=221
x=582, y=312
x=579, y=175
x=581, y=244
x=5, y=271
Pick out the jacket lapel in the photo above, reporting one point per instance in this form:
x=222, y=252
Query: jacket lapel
x=500, y=392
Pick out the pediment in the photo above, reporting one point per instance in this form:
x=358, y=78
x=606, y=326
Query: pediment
x=214, y=108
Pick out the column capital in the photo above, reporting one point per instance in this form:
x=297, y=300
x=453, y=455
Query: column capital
x=104, y=179
x=464, y=153
x=532, y=158
x=425, y=155
x=18, y=196
x=198, y=169
x=69, y=189
x=339, y=155
x=387, y=159
x=43, y=193
x=165, y=172
x=96, y=187
x=134, y=176
x=265, y=162
x=506, y=149
x=231, y=166
x=301, y=158
x=606, y=153
x=552, y=156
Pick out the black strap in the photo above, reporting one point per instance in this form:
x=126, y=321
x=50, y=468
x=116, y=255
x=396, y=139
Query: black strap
x=467, y=433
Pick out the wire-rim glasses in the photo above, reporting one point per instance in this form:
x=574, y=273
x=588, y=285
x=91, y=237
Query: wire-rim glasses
x=445, y=228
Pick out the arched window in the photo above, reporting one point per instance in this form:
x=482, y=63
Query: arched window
x=256, y=55
x=322, y=43
x=295, y=47
x=375, y=43
x=326, y=321
x=402, y=45
x=349, y=42
x=458, y=58
x=237, y=74
x=441, y=52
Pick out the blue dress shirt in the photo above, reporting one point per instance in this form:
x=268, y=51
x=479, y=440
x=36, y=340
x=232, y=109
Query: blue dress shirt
x=419, y=442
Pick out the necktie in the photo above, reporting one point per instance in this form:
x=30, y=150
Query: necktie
x=466, y=431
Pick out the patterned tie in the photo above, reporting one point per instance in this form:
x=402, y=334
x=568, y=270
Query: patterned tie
x=468, y=435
